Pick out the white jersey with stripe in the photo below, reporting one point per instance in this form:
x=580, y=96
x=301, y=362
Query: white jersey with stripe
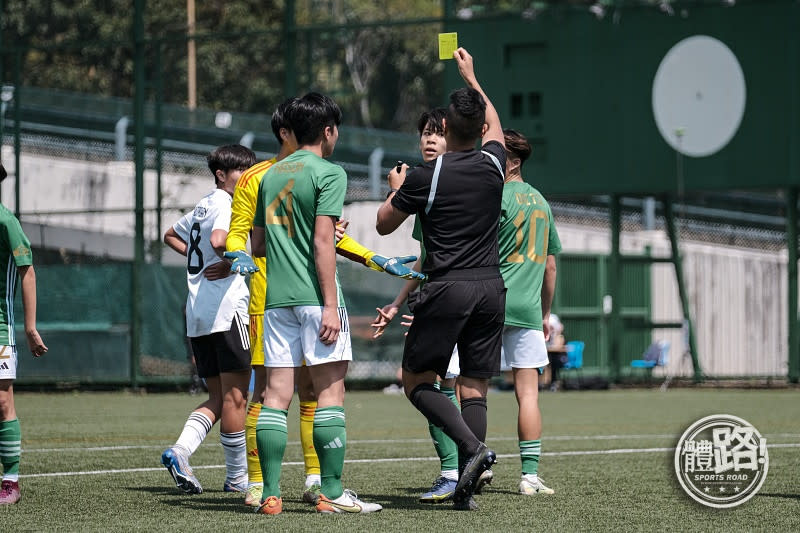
x=211, y=305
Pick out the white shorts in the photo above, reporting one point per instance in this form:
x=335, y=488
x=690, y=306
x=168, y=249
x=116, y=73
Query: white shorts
x=291, y=337
x=453, y=369
x=8, y=362
x=523, y=348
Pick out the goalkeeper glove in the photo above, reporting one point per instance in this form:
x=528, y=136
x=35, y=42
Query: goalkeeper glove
x=242, y=263
x=396, y=266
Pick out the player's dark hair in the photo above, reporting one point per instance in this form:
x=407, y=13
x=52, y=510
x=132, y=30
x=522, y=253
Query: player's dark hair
x=310, y=115
x=432, y=119
x=279, y=117
x=466, y=115
x=517, y=144
x=230, y=157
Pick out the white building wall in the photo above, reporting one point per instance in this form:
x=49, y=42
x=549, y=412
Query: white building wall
x=737, y=298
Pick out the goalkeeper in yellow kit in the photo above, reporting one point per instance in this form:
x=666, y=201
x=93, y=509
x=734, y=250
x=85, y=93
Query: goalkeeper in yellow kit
x=243, y=209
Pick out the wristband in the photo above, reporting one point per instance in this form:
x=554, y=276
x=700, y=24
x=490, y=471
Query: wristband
x=388, y=194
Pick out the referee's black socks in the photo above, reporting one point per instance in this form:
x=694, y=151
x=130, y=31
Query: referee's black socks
x=441, y=412
x=473, y=411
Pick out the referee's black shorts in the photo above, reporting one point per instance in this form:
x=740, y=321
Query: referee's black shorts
x=452, y=312
x=225, y=351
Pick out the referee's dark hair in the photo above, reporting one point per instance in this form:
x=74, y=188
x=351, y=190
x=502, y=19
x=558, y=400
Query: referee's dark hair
x=517, y=144
x=432, y=119
x=466, y=115
x=230, y=157
x=279, y=117
x=310, y=115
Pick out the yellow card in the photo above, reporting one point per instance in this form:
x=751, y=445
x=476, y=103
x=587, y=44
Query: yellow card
x=448, y=43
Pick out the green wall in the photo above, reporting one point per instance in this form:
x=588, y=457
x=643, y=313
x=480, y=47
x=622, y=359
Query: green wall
x=581, y=89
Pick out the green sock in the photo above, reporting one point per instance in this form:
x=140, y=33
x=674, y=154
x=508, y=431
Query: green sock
x=10, y=445
x=446, y=448
x=271, y=436
x=529, y=451
x=330, y=441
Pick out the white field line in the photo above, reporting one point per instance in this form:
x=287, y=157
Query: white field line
x=619, y=451
x=546, y=438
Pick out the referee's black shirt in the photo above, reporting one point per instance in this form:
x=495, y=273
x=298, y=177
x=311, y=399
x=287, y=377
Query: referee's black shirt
x=459, y=229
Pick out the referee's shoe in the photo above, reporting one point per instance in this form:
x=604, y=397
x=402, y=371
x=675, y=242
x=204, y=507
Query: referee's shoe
x=476, y=465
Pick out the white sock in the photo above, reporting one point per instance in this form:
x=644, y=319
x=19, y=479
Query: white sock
x=532, y=478
x=452, y=475
x=194, y=431
x=235, y=455
x=11, y=477
x=313, y=479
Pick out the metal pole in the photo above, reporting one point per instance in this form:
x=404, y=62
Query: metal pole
x=649, y=213
x=17, y=131
x=138, y=255
x=309, y=37
x=669, y=217
x=791, y=242
x=791, y=212
x=375, y=160
x=247, y=139
x=2, y=55
x=614, y=264
x=191, y=56
x=447, y=10
x=159, y=151
x=290, y=38
x=121, y=138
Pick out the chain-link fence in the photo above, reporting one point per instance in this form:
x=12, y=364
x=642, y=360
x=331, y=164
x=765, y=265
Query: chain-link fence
x=77, y=210
x=734, y=259
x=72, y=154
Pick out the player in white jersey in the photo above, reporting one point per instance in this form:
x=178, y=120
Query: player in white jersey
x=216, y=324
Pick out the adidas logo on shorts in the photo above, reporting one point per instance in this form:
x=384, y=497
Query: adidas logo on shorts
x=4, y=366
x=335, y=443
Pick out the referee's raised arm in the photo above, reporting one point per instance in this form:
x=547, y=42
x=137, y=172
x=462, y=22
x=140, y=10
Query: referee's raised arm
x=494, y=130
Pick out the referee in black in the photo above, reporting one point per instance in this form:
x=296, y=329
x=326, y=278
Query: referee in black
x=457, y=198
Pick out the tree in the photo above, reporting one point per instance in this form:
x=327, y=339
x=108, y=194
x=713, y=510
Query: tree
x=381, y=76
x=50, y=25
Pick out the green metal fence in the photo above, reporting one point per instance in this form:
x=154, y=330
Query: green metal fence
x=160, y=137
x=84, y=316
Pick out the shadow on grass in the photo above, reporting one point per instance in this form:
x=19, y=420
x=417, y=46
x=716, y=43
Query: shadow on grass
x=160, y=489
x=788, y=496
x=499, y=491
x=207, y=501
x=411, y=491
x=407, y=500
x=412, y=503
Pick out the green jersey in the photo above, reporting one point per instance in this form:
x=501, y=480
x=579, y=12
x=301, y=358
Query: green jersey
x=527, y=236
x=416, y=234
x=291, y=195
x=15, y=251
